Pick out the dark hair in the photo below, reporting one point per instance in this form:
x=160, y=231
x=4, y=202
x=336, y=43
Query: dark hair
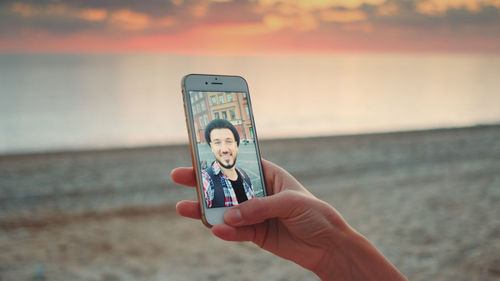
x=221, y=124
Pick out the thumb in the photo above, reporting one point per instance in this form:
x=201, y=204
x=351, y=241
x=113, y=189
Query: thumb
x=282, y=205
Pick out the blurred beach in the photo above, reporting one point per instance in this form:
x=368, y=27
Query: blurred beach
x=429, y=200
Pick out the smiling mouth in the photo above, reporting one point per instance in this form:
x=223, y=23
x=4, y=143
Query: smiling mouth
x=227, y=160
x=226, y=157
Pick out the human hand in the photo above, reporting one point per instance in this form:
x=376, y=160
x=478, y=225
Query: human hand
x=293, y=224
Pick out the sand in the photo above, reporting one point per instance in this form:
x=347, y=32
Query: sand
x=428, y=200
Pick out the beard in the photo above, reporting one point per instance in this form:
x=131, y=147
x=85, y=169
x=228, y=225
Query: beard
x=227, y=166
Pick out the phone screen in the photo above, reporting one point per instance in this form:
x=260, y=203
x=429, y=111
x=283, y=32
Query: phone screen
x=226, y=148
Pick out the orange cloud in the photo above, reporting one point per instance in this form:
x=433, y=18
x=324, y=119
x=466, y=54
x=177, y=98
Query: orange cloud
x=320, y=4
x=343, y=15
x=307, y=15
x=200, y=9
x=25, y=10
x=129, y=20
x=301, y=22
x=276, y=22
x=94, y=14
x=388, y=10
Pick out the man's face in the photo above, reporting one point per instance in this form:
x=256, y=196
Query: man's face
x=224, y=147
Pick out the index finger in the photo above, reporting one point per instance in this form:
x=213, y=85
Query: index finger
x=184, y=175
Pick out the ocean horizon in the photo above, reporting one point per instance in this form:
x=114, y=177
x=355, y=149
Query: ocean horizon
x=69, y=149
x=53, y=102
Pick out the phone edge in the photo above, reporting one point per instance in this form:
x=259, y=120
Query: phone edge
x=193, y=153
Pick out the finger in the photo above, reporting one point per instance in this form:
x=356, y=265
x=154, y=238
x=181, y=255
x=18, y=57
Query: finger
x=190, y=209
x=184, y=175
x=230, y=233
x=282, y=205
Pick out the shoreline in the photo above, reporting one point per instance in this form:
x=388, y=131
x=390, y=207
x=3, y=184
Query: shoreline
x=78, y=181
x=264, y=140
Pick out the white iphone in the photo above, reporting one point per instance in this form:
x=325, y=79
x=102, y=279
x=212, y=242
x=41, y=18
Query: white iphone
x=223, y=139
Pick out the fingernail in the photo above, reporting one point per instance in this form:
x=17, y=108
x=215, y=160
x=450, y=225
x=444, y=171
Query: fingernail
x=233, y=216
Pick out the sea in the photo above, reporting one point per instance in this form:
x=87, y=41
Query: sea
x=57, y=102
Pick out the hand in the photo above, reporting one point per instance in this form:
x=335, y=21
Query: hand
x=293, y=224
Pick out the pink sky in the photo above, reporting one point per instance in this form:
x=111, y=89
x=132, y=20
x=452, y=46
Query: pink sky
x=225, y=27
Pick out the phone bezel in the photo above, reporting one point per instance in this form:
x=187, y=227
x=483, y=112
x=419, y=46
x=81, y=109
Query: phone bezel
x=213, y=83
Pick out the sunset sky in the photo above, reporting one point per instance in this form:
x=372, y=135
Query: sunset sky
x=225, y=27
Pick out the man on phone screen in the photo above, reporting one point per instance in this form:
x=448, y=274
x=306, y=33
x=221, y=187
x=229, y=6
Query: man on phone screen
x=224, y=184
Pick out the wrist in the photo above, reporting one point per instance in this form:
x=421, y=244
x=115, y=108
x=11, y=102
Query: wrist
x=352, y=257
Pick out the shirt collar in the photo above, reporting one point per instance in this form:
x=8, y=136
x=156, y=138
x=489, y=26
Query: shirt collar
x=216, y=168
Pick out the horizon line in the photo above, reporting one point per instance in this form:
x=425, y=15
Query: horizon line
x=82, y=150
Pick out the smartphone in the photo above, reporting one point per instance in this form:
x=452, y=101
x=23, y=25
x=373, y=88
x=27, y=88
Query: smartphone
x=223, y=140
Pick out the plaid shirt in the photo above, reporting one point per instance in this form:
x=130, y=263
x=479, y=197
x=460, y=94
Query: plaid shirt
x=230, y=197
